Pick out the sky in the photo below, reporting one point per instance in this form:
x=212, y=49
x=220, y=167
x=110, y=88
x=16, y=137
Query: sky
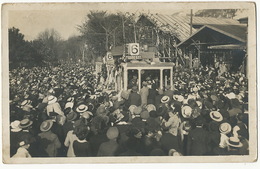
x=32, y=19
x=32, y=22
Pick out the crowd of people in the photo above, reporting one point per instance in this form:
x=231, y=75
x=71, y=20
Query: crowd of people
x=66, y=111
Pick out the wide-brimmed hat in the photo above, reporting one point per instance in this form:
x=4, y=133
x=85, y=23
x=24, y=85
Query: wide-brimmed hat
x=195, y=89
x=15, y=126
x=180, y=98
x=137, y=110
x=26, y=102
x=173, y=152
x=150, y=107
x=25, y=123
x=131, y=108
x=46, y=125
x=124, y=94
x=52, y=99
x=165, y=99
x=70, y=99
x=186, y=111
x=216, y=116
x=82, y=108
x=234, y=142
x=69, y=105
x=145, y=114
x=112, y=133
x=225, y=128
x=87, y=114
x=231, y=95
x=72, y=116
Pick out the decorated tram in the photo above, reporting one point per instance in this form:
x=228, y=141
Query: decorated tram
x=134, y=68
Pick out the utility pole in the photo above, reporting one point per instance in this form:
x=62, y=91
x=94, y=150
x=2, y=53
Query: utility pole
x=191, y=15
x=134, y=32
x=123, y=24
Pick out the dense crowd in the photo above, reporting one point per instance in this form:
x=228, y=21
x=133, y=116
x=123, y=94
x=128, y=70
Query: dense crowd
x=66, y=111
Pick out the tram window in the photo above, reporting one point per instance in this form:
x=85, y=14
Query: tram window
x=152, y=76
x=132, y=78
x=166, y=77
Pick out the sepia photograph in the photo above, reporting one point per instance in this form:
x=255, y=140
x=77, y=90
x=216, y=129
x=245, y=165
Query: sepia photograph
x=129, y=82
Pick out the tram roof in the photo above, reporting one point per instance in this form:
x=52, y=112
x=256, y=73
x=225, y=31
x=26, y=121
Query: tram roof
x=150, y=65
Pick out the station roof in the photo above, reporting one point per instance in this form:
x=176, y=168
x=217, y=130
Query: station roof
x=179, y=26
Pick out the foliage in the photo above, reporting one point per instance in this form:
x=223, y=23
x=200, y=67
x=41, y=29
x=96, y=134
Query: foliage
x=101, y=31
x=50, y=47
x=21, y=52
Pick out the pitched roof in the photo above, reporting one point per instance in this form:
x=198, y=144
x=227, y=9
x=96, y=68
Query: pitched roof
x=237, y=32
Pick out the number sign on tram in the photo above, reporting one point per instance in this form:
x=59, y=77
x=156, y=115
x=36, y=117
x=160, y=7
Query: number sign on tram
x=133, y=51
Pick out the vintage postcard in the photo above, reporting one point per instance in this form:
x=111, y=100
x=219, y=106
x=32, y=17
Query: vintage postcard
x=129, y=82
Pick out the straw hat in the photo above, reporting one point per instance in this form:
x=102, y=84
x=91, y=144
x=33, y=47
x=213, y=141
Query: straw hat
x=87, y=114
x=69, y=105
x=225, y=128
x=52, y=99
x=82, y=108
x=25, y=123
x=15, y=126
x=216, y=116
x=165, y=99
x=234, y=142
x=131, y=108
x=186, y=111
x=137, y=110
x=26, y=102
x=46, y=125
x=150, y=107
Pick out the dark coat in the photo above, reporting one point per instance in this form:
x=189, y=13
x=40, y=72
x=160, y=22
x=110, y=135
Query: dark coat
x=197, y=142
x=169, y=141
x=82, y=149
x=134, y=99
x=14, y=144
x=151, y=96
